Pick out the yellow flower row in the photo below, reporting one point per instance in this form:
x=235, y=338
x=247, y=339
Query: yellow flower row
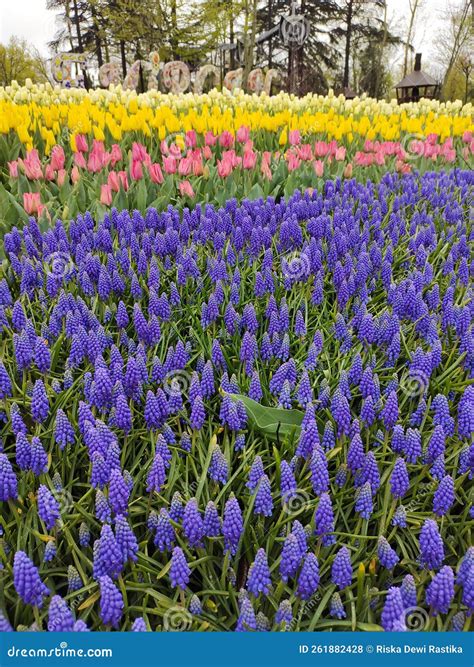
x=51, y=111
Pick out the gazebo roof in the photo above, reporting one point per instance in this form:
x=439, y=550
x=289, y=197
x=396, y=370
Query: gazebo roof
x=416, y=79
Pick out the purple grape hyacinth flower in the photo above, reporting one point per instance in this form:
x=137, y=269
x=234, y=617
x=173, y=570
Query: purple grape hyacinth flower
x=111, y=602
x=258, y=580
x=179, y=570
x=308, y=580
x=440, y=592
x=341, y=572
x=27, y=581
x=431, y=546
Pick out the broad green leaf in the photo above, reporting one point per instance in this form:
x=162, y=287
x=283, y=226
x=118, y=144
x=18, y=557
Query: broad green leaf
x=273, y=422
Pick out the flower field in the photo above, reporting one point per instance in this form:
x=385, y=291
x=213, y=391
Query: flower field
x=236, y=380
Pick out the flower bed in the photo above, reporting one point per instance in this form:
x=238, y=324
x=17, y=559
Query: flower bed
x=248, y=417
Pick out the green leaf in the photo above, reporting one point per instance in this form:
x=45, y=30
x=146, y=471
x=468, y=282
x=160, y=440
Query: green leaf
x=256, y=192
x=141, y=196
x=275, y=423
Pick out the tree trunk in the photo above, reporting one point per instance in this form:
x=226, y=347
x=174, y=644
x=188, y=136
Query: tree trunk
x=413, y=9
x=80, y=46
x=345, y=81
x=174, y=31
x=231, y=34
x=249, y=43
x=269, y=27
x=457, y=41
x=98, y=42
x=381, y=52
x=123, y=57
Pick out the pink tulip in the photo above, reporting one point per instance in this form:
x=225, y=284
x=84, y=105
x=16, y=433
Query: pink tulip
x=106, y=194
x=450, y=155
x=32, y=165
x=226, y=140
x=57, y=158
x=98, y=146
x=467, y=137
x=210, y=139
x=234, y=159
x=305, y=152
x=81, y=143
x=340, y=153
x=169, y=165
x=293, y=161
x=402, y=167
x=32, y=203
x=175, y=150
x=294, y=137
x=94, y=163
x=185, y=166
x=348, y=170
x=191, y=139
x=249, y=160
x=186, y=188
x=207, y=153
x=164, y=148
x=123, y=179
x=61, y=177
x=266, y=171
x=136, y=171
x=49, y=173
x=13, y=169
x=115, y=154
x=379, y=158
x=75, y=174
x=321, y=149
x=156, y=175
x=318, y=166
x=197, y=163
x=224, y=168
x=139, y=152
x=243, y=134
x=113, y=181
x=80, y=160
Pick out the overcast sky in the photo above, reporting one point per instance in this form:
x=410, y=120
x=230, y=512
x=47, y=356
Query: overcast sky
x=30, y=19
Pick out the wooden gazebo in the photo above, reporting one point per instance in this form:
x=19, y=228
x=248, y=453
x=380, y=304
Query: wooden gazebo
x=416, y=85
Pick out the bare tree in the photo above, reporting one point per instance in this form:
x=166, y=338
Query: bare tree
x=454, y=40
x=414, y=5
